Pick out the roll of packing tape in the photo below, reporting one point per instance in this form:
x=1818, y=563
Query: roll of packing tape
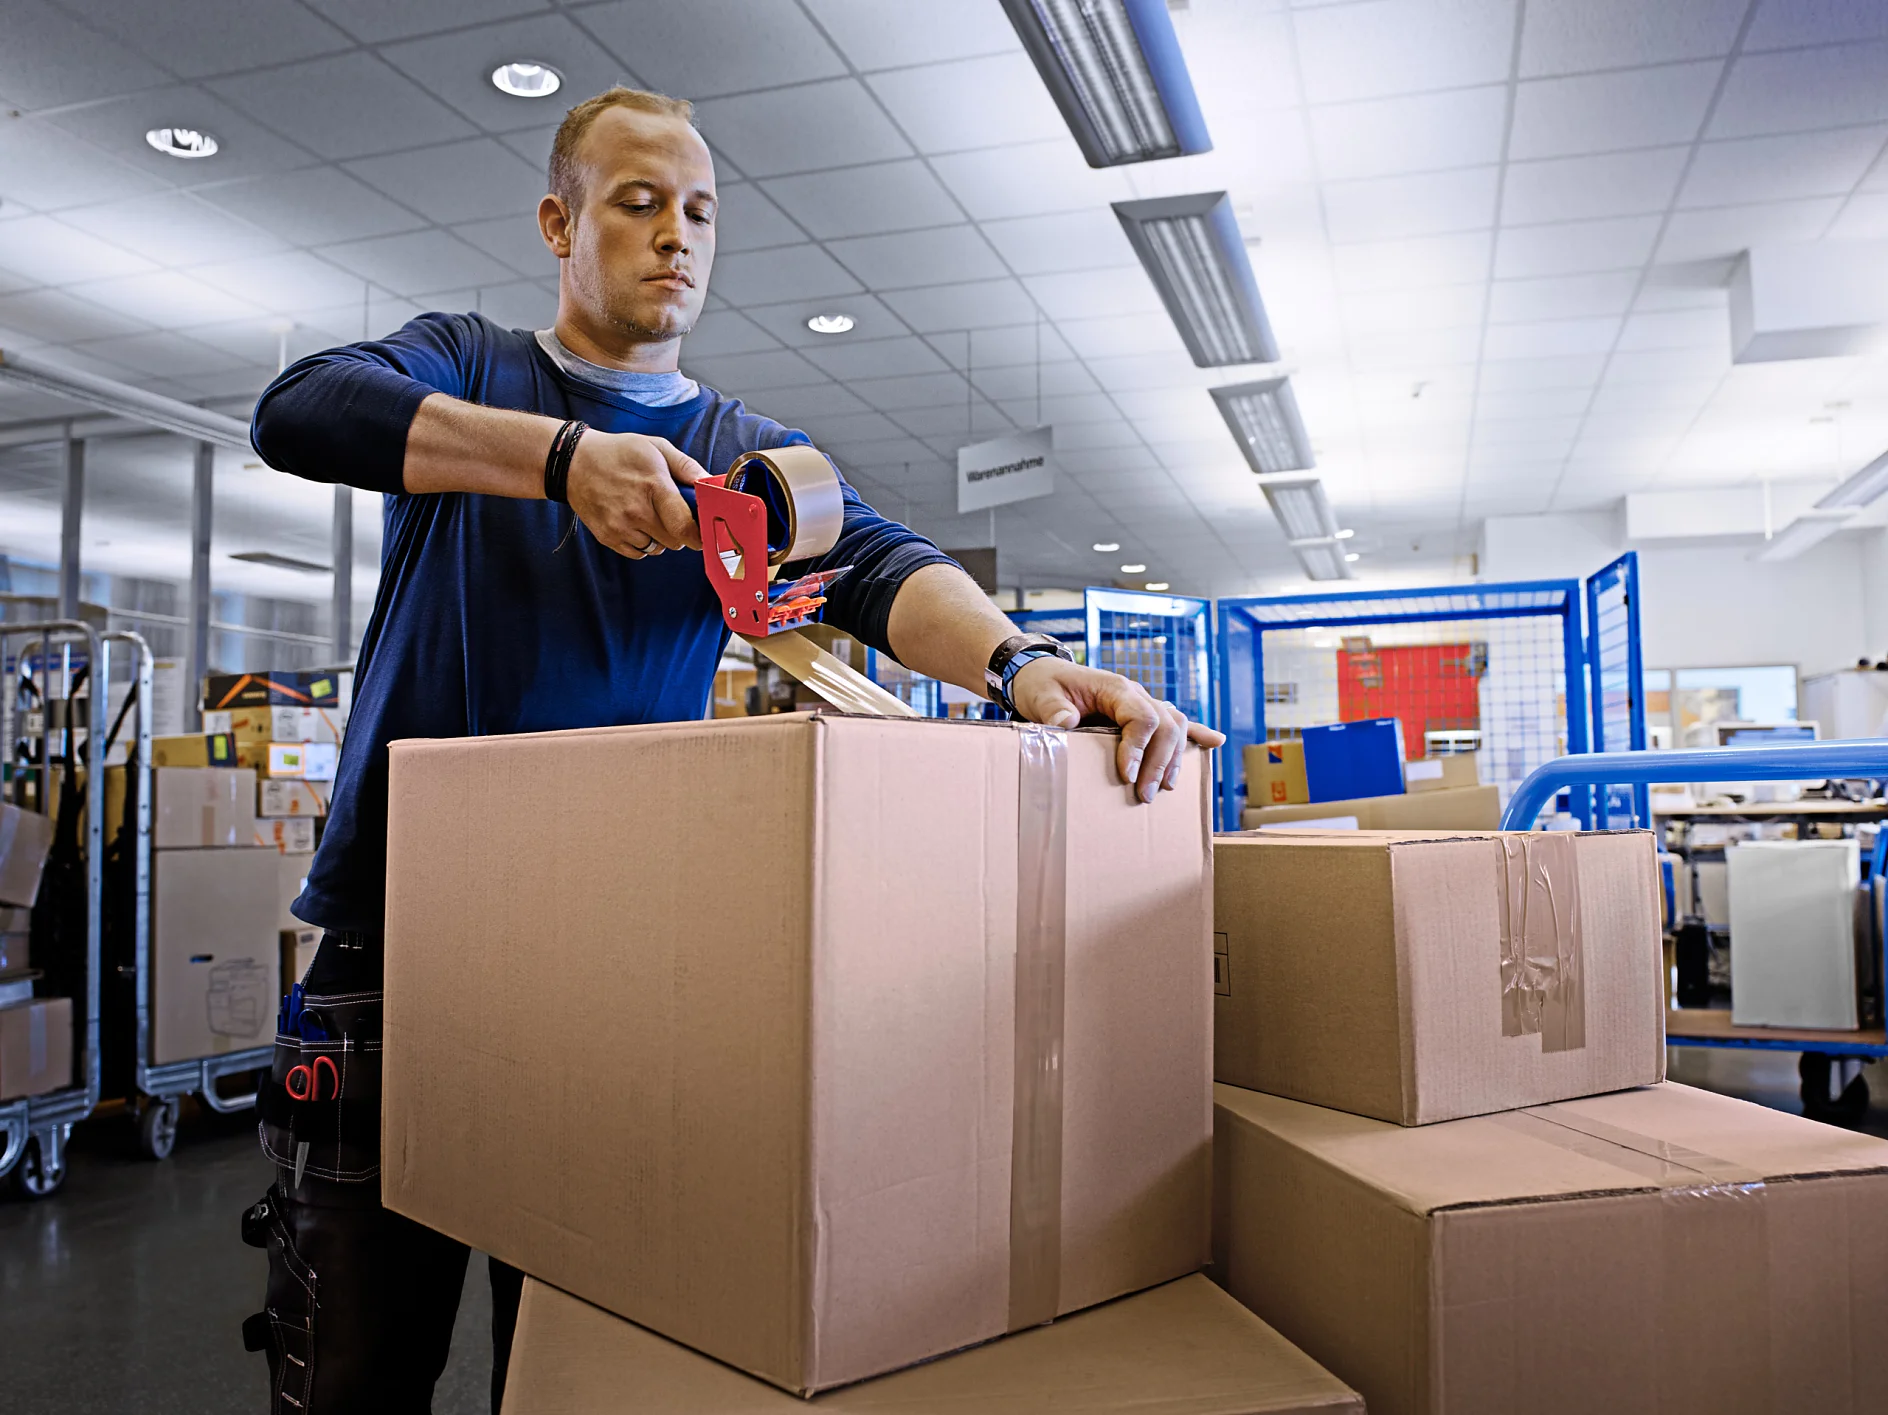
x=809, y=492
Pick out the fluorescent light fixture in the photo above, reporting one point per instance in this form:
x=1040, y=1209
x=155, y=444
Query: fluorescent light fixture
x=523, y=79
x=1865, y=486
x=1303, y=510
x=1321, y=560
x=281, y=562
x=110, y=396
x=1133, y=569
x=1811, y=528
x=182, y=142
x=1197, y=259
x=1107, y=547
x=1264, y=420
x=1345, y=534
x=1157, y=585
x=830, y=323
x=1115, y=70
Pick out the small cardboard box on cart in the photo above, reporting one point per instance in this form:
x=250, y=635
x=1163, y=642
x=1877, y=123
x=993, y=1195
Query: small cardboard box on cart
x=883, y=1036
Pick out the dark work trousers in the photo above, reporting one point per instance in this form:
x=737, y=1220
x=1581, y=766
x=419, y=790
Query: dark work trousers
x=360, y=1303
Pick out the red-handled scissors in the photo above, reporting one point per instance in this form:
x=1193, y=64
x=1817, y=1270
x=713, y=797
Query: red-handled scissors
x=308, y=1086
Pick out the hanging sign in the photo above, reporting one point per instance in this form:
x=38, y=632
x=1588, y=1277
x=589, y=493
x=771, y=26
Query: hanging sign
x=1006, y=469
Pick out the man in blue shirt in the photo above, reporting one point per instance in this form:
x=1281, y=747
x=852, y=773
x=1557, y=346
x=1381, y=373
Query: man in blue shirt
x=542, y=570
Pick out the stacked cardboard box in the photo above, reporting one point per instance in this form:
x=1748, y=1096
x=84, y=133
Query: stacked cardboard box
x=35, y=1047
x=1292, y=781
x=894, y=1039
x=288, y=728
x=1448, y=1167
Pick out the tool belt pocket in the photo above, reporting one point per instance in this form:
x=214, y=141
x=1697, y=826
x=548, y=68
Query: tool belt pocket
x=323, y=1091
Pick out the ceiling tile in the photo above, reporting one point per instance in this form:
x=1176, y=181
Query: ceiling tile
x=1430, y=204
x=876, y=358
x=173, y=228
x=1072, y=240
x=1568, y=36
x=1774, y=169
x=817, y=400
x=779, y=275
x=1396, y=311
x=1018, y=346
x=1561, y=297
x=1024, y=385
x=1665, y=365
x=1678, y=329
x=247, y=148
x=44, y=169
x=949, y=425
x=376, y=20
x=1573, y=247
x=51, y=59
x=53, y=253
x=801, y=129
x=418, y=263
x=460, y=181
x=864, y=201
x=971, y=103
x=920, y=34
x=218, y=36
x=1384, y=47
x=747, y=221
x=315, y=206
x=1578, y=188
x=981, y=304
x=1864, y=218
x=725, y=332
x=524, y=304
x=294, y=281
x=1551, y=338
x=1726, y=230
x=1802, y=89
x=925, y=390
x=1029, y=180
x=1418, y=133
x=57, y=315
x=1606, y=112
x=736, y=373
x=1566, y=371
x=457, y=69
x=1789, y=24
x=166, y=298
x=165, y=355
x=1457, y=258
x=351, y=105
x=938, y=256
x=1493, y=405
x=1120, y=335
x=709, y=47
x=513, y=239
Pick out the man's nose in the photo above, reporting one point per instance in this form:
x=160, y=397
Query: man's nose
x=672, y=235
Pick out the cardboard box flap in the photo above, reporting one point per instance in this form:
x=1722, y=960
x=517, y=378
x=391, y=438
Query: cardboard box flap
x=1185, y=1347
x=1664, y=1136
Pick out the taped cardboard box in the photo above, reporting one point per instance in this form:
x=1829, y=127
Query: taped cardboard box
x=1275, y=773
x=195, y=749
x=279, y=800
x=291, y=836
x=25, y=841
x=796, y=1134
x=1185, y=1348
x=35, y=1047
x=191, y=807
x=215, y=952
x=1662, y=1250
x=1451, y=773
x=1418, y=977
x=1461, y=808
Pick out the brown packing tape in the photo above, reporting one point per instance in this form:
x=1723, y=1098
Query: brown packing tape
x=1664, y=1164
x=810, y=490
x=1041, y=978
x=1543, y=984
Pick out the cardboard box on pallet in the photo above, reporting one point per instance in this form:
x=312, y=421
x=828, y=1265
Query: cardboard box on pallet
x=1452, y=773
x=795, y=1147
x=25, y=841
x=215, y=951
x=1661, y=1249
x=1420, y=977
x=1463, y=808
x=35, y=1047
x=1275, y=773
x=1185, y=1348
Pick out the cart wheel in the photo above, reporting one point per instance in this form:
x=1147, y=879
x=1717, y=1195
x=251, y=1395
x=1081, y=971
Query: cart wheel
x=157, y=1127
x=36, y=1177
x=1848, y=1108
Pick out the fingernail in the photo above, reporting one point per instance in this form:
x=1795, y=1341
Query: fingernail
x=1134, y=765
x=1148, y=790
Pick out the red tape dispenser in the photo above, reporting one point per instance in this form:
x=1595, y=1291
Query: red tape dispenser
x=767, y=509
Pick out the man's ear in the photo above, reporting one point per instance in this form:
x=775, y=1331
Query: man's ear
x=554, y=224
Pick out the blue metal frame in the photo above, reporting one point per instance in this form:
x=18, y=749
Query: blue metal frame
x=1613, y=636
x=1180, y=611
x=1069, y=625
x=1519, y=599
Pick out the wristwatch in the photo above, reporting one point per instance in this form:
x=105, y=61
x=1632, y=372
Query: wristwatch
x=1009, y=658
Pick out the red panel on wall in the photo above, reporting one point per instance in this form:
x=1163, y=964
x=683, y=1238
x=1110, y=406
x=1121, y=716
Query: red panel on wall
x=1431, y=687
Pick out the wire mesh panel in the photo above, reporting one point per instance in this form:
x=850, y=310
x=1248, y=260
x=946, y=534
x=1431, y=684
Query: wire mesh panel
x=1612, y=616
x=1162, y=642
x=1493, y=670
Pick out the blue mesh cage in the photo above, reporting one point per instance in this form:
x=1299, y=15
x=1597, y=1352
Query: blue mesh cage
x=1163, y=642
x=1496, y=670
x=1612, y=616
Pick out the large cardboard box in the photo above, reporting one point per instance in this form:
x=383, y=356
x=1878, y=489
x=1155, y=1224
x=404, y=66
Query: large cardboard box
x=1463, y=808
x=291, y=836
x=1661, y=1250
x=35, y=1047
x=215, y=952
x=25, y=841
x=732, y=1050
x=291, y=879
x=1421, y=977
x=1185, y=1348
x=195, y=749
x=1450, y=773
x=191, y=807
x=281, y=800
x=1795, y=945
x=1275, y=773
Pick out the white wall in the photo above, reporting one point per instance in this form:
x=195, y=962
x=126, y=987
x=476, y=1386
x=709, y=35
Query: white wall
x=1705, y=606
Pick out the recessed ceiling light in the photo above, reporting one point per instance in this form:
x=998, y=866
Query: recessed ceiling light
x=830, y=323
x=1133, y=569
x=521, y=79
x=1345, y=534
x=1352, y=557
x=1156, y=584
x=182, y=142
x=1107, y=547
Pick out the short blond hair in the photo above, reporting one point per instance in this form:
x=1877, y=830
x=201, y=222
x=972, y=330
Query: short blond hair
x=566, y=183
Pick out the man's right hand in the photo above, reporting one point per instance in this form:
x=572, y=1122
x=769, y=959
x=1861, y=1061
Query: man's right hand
x=626, y=488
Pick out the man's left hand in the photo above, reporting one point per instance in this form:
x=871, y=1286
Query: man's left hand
x=1154, y=734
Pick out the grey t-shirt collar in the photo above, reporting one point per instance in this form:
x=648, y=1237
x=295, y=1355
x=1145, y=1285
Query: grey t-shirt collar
x=652, y=390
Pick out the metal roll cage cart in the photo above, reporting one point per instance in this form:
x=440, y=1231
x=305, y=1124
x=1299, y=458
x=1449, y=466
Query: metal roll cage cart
x=1830, y=1070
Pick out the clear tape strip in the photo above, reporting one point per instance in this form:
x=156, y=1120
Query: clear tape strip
x=1543, y=984
x=1041, y=979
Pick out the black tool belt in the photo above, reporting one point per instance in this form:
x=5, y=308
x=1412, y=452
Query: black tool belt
x=324, y=1091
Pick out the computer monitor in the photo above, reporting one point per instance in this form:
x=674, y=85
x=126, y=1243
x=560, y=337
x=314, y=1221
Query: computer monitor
x=1764, y=734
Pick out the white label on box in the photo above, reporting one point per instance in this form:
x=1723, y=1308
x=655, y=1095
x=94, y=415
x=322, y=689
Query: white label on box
x=1423, y=771
x=318, y=761
x=1321, y=823
x=216, y=721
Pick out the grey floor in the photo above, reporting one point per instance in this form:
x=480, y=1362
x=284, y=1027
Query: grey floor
x=126, y=1290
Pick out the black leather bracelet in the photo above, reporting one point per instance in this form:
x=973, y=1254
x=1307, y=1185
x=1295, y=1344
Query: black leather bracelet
x=557, y=461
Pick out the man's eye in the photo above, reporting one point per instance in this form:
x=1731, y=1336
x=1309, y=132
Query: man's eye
x=705, y=218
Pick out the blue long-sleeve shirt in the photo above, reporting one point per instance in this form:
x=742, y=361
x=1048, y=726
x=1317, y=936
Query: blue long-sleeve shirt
x=493, y=614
